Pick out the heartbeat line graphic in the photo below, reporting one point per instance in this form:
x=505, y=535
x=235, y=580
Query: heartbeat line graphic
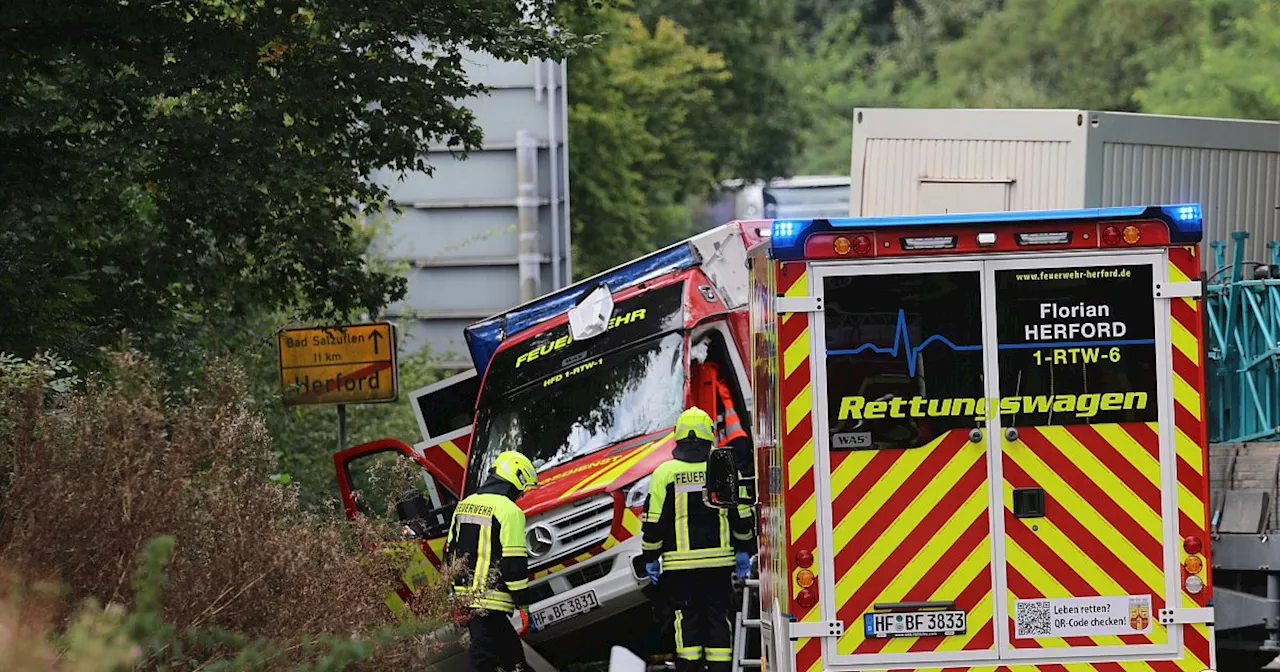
x=902, y=341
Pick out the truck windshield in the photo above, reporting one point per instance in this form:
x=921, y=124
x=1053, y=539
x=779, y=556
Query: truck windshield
x=594, y=404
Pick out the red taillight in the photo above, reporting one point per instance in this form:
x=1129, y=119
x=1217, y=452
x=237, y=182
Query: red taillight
x=804, y=559
x=1110, y=235
x=807, y=597
x=1192, y=545
x=861, y=245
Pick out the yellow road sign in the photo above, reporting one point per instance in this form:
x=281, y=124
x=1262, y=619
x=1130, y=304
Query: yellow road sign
x=352, y=364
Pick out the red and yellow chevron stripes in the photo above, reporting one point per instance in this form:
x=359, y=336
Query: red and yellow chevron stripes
x=450, y=457
x=1190, y=437
x=626, y=524
x=1186, y=337
x=770, y=508
x=1102, y=533
x=621, y=464
x=1184, y=665
x=796, y=402
x=913, y=525
x=422, y=561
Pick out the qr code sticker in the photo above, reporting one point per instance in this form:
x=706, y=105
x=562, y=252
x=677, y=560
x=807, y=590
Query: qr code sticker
x=1032, y=618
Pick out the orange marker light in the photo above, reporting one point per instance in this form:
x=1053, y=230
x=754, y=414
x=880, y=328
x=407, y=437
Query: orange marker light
x=1192, y=564
x=841, y=245
x=804, y=577
x=1132, y=234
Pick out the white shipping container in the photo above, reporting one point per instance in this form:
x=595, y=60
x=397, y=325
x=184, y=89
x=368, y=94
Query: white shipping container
x=927, y=161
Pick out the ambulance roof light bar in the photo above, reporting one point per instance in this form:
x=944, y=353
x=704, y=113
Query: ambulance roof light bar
x=1184, y=221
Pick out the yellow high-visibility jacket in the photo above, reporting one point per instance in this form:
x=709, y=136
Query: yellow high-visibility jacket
x=680, y=528
x=488, y=531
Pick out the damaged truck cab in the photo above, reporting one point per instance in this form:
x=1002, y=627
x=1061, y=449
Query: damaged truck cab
x=595, y=413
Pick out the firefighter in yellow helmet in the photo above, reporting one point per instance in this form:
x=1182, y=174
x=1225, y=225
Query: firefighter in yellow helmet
x=487, y=532
x=693, y=548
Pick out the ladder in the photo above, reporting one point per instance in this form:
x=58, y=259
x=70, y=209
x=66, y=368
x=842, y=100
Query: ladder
x=746, y=626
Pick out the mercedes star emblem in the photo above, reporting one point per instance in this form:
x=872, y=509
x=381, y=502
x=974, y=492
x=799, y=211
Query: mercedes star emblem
x=540, y=540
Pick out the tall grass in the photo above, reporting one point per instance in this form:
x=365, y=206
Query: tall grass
x=164, y=510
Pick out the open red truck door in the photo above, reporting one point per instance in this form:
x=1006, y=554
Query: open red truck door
x=378, y=479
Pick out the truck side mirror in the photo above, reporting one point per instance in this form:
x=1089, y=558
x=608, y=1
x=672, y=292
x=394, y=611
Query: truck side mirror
x=722, y=479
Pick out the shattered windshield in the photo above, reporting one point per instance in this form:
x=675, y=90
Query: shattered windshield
x=591, y=405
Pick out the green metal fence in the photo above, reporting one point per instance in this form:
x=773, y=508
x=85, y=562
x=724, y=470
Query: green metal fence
x=1242, y=307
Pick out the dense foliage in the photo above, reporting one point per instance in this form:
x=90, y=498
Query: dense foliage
x=170, y=167
x=1190, y=57
x=677, y=96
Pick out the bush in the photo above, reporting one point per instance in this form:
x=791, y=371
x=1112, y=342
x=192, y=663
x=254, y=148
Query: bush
x=166, y=506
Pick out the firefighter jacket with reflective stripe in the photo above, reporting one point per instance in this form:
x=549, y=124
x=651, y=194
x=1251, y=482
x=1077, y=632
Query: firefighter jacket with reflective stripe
x=487, y=530
x=731, y=434
x=679, y=527
x=729, y=427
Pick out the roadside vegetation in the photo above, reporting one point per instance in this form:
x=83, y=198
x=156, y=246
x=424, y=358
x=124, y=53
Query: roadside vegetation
x=142, y=530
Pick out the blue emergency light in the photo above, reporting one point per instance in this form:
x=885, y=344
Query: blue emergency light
x=788, y=235
x=484, y=337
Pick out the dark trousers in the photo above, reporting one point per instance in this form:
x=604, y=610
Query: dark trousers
x=495, y=644
x=701, y=601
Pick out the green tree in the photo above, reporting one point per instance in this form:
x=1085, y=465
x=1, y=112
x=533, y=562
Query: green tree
x=170, y=167
x=756, y=118
x=876, y=24
x=908, y=66
x=835, y=77
x=1232, y=68
x=1072, y=53
x=640, y=138
x=870, y=53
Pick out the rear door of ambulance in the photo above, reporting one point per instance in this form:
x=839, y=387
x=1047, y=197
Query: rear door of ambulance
x=996, y=438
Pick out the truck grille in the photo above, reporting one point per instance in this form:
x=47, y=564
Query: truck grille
x=576, y=577
x=568, y=530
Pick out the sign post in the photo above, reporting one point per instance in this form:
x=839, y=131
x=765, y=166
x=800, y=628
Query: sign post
x=350, y=364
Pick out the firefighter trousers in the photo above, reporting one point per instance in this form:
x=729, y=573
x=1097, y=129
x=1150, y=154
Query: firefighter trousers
x=702, y=604
x=494, y=643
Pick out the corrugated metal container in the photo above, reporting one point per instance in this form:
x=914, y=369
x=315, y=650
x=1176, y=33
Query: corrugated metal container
x=922, y=161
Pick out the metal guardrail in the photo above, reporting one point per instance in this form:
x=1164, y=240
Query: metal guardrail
x=1242, y=305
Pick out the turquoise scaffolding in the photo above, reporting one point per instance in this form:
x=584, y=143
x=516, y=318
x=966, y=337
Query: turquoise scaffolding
x=1242, y=306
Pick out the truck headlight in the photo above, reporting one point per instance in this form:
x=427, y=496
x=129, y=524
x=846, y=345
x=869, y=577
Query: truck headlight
x=636, y=492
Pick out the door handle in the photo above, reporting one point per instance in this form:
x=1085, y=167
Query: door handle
x=1028, y=502
x=902, y=606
